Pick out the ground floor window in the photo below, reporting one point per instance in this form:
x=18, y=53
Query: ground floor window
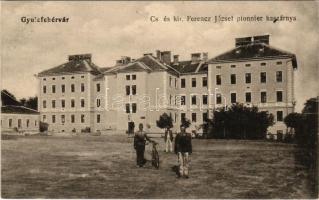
x=279, y=116
x=193, y=117
x=98, y=118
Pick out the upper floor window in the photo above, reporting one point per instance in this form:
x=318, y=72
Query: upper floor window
x=128, y=77
x=98, y=118
x=62, y=88
x=279, y=76
x=247, y=65
x=72, y=118
x=204, y=81
x=127, y=108
x=134, y=77
x=62, y=78
x=248, y=78
x=263, y=77
x=82, y=118
x=233, y=78
x=44, y=118
x=72, y=88
x=82, y=76
x=44, y=89
x=134, y=108
x=98, y=102
x=233, y=66
x=53, y=119
x=183, y=83
x=82, y=87
x=205, y=99
x=183, y=100
x=193, y=82
x=63, y=103
x=98, y=87
x=53, y=78
x=263, y=97
x=193, y=99
x=262, y=64
x=248, y=97
x=279, y=96
x=10, y=123
x=44, y=79
x=233, y=98
x=133, y=89
x=28, y=122
x=218, y=67
x=62, y=119
x=82, y=103
x=218, y=80
x=170, y=81
x=175, y=82
x=53, y=88
x=44, y=104
x=128, y=90
x=53, y=103
x=279, y=63
x=72, y=77
x=72, y=103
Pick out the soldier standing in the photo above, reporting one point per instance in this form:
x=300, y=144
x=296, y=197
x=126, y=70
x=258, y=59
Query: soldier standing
x=183, y=149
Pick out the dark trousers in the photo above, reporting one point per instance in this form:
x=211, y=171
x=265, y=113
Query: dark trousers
x=140, y=160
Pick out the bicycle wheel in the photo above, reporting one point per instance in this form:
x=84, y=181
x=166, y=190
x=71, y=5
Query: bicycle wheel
x=155, y=159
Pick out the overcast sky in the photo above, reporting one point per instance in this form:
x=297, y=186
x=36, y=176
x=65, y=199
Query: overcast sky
x=109, y=30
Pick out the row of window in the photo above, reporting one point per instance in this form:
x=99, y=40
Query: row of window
x=249, y=65
x=130, y=89
x=279, y=116
x=72, y=88
x=53, y=78
x=194, y=117
x=72, y=103
x=233, y=97
x=193, y=82
x=27, y=122
x=131, y=108
x=131, y=77
x=263, y=97
x=72, y=118
x=263, y=78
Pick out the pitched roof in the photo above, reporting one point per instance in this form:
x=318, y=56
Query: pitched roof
x=13, y=109
x=187, y=67
x=147, y=63
x=253, y=51
x=73, y=66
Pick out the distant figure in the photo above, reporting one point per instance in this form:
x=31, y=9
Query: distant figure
x=183, y=149
x=168, y=137
x=140, y=138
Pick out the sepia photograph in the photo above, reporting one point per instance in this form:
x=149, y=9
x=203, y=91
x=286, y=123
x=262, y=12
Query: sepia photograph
x=159, y=100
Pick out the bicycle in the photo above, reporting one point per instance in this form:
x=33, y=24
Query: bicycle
x=155, y=156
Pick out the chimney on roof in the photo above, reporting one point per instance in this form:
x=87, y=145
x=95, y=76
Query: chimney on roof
x=261, y=39
x=243, y=41
x=175, y=59
x=79, y=57
x=205, y=56
x=124, y=60
x=166, y=57
x=195, y=57
x=158, y=54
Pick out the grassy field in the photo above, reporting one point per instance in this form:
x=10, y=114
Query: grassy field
x=104, y=167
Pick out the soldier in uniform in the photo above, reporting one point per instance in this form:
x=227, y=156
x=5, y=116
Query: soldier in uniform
x=140, y=138
x=183, y=149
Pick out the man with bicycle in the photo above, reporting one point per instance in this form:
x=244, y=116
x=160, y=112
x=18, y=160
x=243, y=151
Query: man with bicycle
x=183, y=149
x=140, y=138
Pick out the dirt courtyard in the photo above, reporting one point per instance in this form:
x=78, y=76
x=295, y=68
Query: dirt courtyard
x=104, y=167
